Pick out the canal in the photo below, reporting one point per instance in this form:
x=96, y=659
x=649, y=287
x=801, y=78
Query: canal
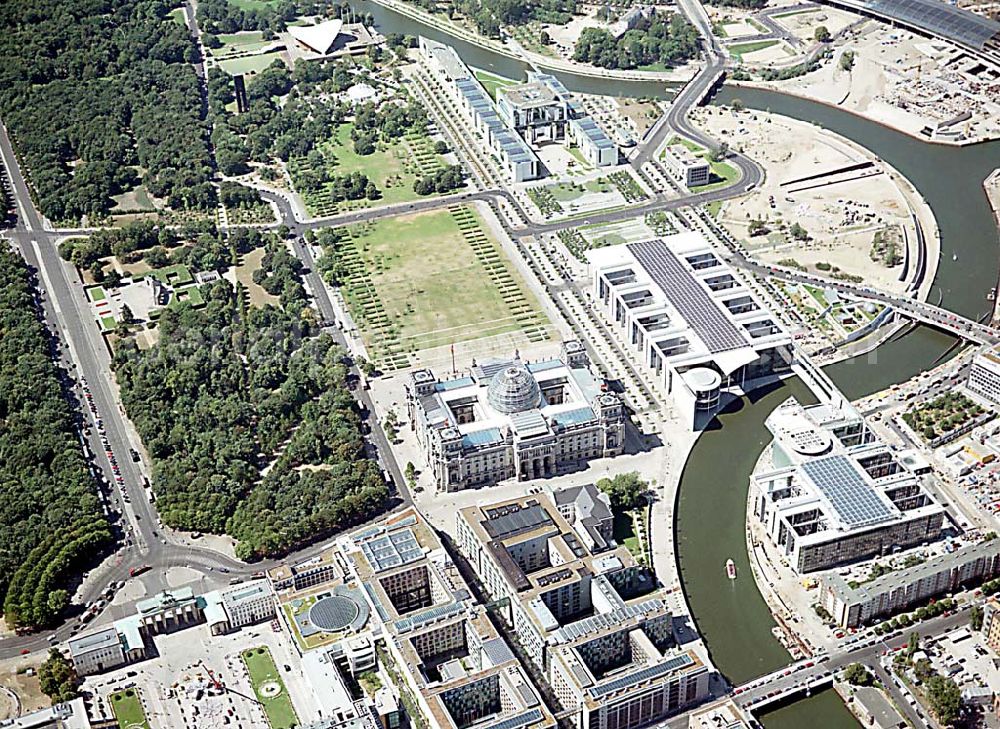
x=711, y=510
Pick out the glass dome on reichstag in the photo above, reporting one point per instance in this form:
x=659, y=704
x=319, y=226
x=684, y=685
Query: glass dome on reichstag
x=513, y=390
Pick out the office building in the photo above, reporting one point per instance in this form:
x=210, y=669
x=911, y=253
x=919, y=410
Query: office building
x=97, y=652
x=852, y=605
x=313, y=572
x=687, y=167
x=69, y=715
x=828, y=492
x=991, y=624
x=984, y=376
x=238, y=606
x=509, y=419
x=442, y=644
x=695, y=330
x=597, y=626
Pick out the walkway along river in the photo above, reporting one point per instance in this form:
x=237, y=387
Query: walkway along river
x=711, y=510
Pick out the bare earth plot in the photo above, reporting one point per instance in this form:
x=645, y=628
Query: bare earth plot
x=430, y=280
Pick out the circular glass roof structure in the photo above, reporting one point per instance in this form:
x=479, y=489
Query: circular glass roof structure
x=334, y=613
x=513, y=390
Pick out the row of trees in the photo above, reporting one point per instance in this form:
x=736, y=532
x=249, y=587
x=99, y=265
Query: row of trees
x=665, y=38
x=489, y=18
x=223, y=390
x=93, y=93
x=50, y=516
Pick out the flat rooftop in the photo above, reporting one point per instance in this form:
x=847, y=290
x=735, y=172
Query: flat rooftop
x=529, y=95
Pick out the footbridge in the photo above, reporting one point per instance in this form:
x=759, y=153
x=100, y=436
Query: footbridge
x=909, y=308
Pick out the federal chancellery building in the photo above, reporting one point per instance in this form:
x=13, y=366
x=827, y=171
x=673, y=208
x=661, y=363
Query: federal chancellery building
x=510, y=419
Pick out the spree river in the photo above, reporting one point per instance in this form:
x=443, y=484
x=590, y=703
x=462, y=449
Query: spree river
x=711, y=510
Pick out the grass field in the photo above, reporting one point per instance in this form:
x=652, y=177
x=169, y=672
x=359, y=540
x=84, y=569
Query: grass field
x=279, y=709
x=250, y=64
x=96, y=293
x=492, y=82
x=233, y=43
x=253, y=4
x=128, y=709
x=723, y=175
x=432, y=279
x=249, y=263
x=741, y=49
x=177, y=15
x=393, y=168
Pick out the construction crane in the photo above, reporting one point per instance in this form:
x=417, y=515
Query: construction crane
x=215, y=681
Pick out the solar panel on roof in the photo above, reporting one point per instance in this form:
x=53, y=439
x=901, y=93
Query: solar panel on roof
x=644, y=674
x=392, y=550
x=515, y=722
x=854, y=500
x=937, y=18
x=701, y=312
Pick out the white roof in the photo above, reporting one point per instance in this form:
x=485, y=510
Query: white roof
x=318, y=37
x=361, y=92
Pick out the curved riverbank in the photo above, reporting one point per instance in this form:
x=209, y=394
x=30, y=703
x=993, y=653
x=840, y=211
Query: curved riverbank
x=773, y=88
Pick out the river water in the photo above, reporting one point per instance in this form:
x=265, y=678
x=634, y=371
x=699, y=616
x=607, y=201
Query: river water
x=711, y=510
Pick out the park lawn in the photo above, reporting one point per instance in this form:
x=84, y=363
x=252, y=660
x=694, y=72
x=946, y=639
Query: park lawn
x=250, y=64
x=128, y=709
x=492, y=82
x=393, y=168
x=177, y=15
x=563, y=192
x=739, y=49
x=233, y=43
x=279, y=709
x=250, y=262
x=253, y=4
x=431, y=285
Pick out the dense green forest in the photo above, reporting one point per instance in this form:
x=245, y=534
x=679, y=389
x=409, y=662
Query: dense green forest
x=665, y=38
x=95, y=92
x=50, y=516
x=231, y=390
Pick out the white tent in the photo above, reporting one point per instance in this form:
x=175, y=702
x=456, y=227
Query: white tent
x=319, y=38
